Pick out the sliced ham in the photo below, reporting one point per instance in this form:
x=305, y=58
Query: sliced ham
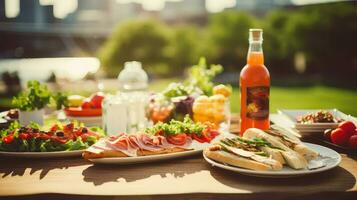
x=130, y=144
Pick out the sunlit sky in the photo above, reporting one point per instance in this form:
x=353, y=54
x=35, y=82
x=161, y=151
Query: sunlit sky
x=63, y=7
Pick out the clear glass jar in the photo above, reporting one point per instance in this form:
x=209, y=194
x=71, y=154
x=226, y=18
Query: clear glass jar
x=126, y=111
x=214, y=109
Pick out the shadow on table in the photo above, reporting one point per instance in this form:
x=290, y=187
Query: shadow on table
x=337, y=179
x=17, y=166
x=100, y=174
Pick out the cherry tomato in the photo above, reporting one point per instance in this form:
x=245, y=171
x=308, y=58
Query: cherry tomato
x=87, y=105
x=8, y=139
x=352, y=142
x=200, y=139
x=178, y=139
x=97, y=100
x=24, y=136
x=348, y=127
x=339, y=137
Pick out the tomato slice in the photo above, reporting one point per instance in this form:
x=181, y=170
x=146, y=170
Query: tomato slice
x=24, y=136
x=178, y=139
x=60, y=140
x=44, y=136
x=209, y=134
x=8, y=139
x=200, y=139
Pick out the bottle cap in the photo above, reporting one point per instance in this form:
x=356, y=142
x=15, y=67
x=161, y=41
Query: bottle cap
x=255, y=35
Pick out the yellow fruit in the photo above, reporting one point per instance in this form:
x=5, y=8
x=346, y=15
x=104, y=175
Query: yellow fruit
x=219, y=117
x=198, y=108
x=223, y=90
x=201, y=99
x=75, y=100
x=217, y=98
x=200, y=118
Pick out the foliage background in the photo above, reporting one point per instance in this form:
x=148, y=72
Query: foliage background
x=323, y=35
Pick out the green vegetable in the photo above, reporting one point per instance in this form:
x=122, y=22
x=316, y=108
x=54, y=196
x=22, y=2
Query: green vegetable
x=202, y=76
x=199, y=81
x=175, y=127
x=60, y=100
x=36, y=96
x=40, y=145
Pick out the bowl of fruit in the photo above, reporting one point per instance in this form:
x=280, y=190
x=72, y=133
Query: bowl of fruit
x=86, y=110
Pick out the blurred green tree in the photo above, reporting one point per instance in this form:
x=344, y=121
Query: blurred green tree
x=142, y=40
x=185, y=47
x=228, y=36
x=327, y=36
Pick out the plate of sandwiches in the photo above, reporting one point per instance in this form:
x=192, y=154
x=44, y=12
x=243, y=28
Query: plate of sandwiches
x=274, y=153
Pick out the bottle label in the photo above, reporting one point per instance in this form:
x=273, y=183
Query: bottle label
x=258, y=102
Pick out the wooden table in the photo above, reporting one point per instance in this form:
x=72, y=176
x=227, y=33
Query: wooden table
x=186, y=178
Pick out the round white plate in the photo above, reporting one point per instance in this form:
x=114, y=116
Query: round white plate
x=54, y=154
x=145, y=159
x=332, y=161
x=197, y=148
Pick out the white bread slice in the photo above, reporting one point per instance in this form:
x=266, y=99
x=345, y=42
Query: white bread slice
x=238, y=161
x=141, y=152
x=292, y=158
x=274, y=153
x=298, y=146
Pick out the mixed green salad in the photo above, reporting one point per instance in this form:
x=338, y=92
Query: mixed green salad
x=60, y=137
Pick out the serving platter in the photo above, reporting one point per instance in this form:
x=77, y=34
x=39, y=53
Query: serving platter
x=197, y=148
x=145, y=159
x=293, y=115
x=53, y=154
x=329, y=158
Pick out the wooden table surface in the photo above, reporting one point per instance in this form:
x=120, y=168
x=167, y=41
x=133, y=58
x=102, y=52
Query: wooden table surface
x=186, y=178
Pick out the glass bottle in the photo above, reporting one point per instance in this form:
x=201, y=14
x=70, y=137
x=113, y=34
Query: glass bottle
x=254, y=86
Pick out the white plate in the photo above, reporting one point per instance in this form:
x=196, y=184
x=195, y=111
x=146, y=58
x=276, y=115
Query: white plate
x=54, y=154
x=292, y=116
x=197, y=148
x=332, y=162
x=145, y=159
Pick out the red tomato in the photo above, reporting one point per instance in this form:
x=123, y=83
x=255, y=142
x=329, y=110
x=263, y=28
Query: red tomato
x=8, y=139
x=59, y=139
x=87, y=105
x=43, y=136
x=97, y=100
x=352, y=142
x=348, y=127
x=54, y=128
x=209, y=134
x=200, y=139
x=339, y=137
x=355, y=133
x=178, y=139
x=24, y=136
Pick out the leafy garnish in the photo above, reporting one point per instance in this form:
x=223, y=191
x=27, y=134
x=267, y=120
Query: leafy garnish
x=36, y=96
x=201, y=76
x=175, y=127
